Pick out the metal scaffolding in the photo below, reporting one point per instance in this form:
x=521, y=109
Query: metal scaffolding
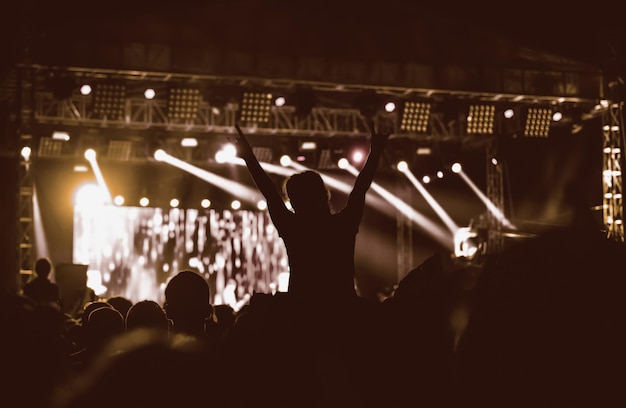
x=612, y=161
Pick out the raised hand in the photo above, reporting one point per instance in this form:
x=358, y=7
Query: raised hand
x=244, y=148
x=378, y=140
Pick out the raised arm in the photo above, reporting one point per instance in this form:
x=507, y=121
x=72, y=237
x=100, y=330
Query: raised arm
x=261, y=179
x=366, y=176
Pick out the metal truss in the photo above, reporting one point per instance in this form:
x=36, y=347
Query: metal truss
x=495, y=237
x=612, y=160
x=140, y=113
x=25, y=226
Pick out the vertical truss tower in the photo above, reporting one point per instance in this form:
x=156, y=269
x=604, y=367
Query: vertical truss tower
x=612, y=160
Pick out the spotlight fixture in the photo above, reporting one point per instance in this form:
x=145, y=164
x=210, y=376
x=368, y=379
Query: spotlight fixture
x=415, y=116
x=183, y=103
x=480, y=119
x=255, y=107
x=109, y=100
x=538, y=122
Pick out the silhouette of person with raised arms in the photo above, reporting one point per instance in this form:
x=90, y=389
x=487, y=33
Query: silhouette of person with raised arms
x=320, y=244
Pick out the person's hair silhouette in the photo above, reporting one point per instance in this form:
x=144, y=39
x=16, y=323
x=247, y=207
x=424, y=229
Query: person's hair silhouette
x=320, y=244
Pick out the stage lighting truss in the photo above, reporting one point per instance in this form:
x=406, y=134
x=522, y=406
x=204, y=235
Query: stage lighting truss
x=481, y=119
x=109, y=100
x=263, y=154
x=415, y=117
x=538, y=122
x=183, y=103
x=255, y=107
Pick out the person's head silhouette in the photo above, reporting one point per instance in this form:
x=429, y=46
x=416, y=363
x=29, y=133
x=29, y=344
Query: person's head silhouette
x=187, y=302
x=307, y=193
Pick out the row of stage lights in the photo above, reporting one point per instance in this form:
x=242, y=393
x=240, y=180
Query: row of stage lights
x=92, y=193
x=414, y=115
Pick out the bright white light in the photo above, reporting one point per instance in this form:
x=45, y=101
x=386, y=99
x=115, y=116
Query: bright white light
x=89, y=195
x=61, y=136
x=144, y=201
x=174, y=202
x=235, y=205
x=439, y=174
x=426, y=179
x=26, y=151
x=149, y=93
x=358, y=156
x=402, y=166
x=285, y=160
x=90, y=154
x=85, y=89
x=189, y=142
x=463, y=246
x=509, y=113
x=261, y=205
x=557, y=116
x=390, y=107
x=494, y=161
x=80, y=168
x=205, y=203
x=308, y=146
x=343, y=163
x=160, y=154
x=456, y=168
x=280, y=101
x=227, y=153
x=118, y=200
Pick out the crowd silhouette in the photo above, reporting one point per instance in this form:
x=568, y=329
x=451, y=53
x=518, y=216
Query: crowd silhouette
x=538, y=325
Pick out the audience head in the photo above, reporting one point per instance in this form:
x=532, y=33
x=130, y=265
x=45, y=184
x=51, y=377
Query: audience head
x=103, y=324
x=146, y=314
x=43, y=266
x=120, y=303
x=187, y=302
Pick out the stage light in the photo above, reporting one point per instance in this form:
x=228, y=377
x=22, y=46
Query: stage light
x=557, y=116
x=358, y=156
x=174, y=202
x=343, y=163
x=538, y=122
x=280, y=101
x=183, y=103
x=456, y=168
x=255, y=107
x=144, y=201
x=25, y=152
x=390, y=107
x=415, y=116
x=159, y=154
x=261, y=205
x=494, y=161
x=308, y=146
x=149, y=93
x=402, y=166
x=426, y=179
x=227, y=153
x=189, y=142
x=509, y=113
x=85, y=89
x=285, y=160
x=109, y=100
x=80, y=168
x=63, y=136
x=90, y=154
x=118, y=200
x=89, y=195
x=481, y=119
x=235, y=204
x=439, y=174
x=205, y=203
